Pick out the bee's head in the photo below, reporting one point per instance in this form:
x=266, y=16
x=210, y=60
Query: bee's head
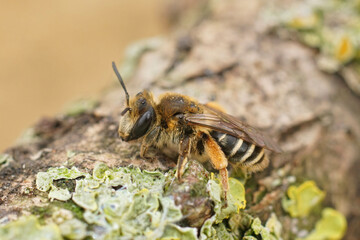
x=139, y=114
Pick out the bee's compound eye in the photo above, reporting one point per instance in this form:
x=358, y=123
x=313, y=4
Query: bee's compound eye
x=142, y=125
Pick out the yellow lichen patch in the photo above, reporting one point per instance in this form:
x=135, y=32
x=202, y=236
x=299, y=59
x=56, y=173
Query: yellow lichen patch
x=302, y=199
x=332, y=225
x=237, y=193
x=344, y=50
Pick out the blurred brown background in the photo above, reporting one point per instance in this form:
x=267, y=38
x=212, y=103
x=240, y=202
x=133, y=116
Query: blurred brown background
x=54, y=52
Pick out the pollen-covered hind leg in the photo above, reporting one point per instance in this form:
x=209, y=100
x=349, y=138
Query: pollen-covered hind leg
x=184, y=151
x=218, y=161
x=224, y=181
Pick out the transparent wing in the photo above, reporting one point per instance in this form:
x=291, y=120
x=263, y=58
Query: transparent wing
x=222, y=122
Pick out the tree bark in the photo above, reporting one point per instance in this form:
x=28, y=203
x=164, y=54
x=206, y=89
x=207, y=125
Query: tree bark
x=230, y=57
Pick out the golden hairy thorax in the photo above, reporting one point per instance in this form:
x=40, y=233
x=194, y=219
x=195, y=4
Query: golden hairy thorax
x=171, y=104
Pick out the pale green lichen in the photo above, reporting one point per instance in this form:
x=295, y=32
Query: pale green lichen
x=245, y=226
x=258, y=229
x=213, y=227
x=271, y=230
x=235, y=202
x=274, y=227
x=302, y=199
x=332, y=225
x=73, y=229
x=29, y=228
x=137, y=210
x=242, y=226
x=59, y=194
x=5, y=159
x=45, y=181
x=174, y=232
x=127, y=203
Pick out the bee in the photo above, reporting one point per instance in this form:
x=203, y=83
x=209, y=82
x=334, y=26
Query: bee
x=193, y=130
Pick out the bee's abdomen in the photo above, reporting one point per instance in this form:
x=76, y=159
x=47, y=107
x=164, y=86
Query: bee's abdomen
x=237, y=150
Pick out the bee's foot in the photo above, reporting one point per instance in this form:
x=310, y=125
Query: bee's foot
x=148, y=158
x=225, y=205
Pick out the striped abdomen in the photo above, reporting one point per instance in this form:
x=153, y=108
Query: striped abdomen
x=239, y=151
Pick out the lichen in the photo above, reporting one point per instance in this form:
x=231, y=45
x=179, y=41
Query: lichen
x=302, y=202
x=332, y=225
x=235, y=202
x=129, y=203
x=5, y=159
x=45, y=181
x=274, y=227
x=137, y=204
x=29, y=228
x=73, y=229
x=302, y=199
x=332, y=27
x=247, y=227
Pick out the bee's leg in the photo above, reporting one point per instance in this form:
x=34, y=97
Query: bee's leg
x=218, y=161
x=185, y=146
x=224, y=181
x=148, y=141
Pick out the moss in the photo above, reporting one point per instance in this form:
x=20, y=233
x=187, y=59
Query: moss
x=42, y=213
x=70, y=205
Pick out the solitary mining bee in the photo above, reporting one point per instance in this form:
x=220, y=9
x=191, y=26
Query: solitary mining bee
x=194, y=130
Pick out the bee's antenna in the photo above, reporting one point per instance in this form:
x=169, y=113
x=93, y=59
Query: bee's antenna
x=121, y=82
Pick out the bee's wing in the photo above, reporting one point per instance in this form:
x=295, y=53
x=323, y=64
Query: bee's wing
x=222, y=122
